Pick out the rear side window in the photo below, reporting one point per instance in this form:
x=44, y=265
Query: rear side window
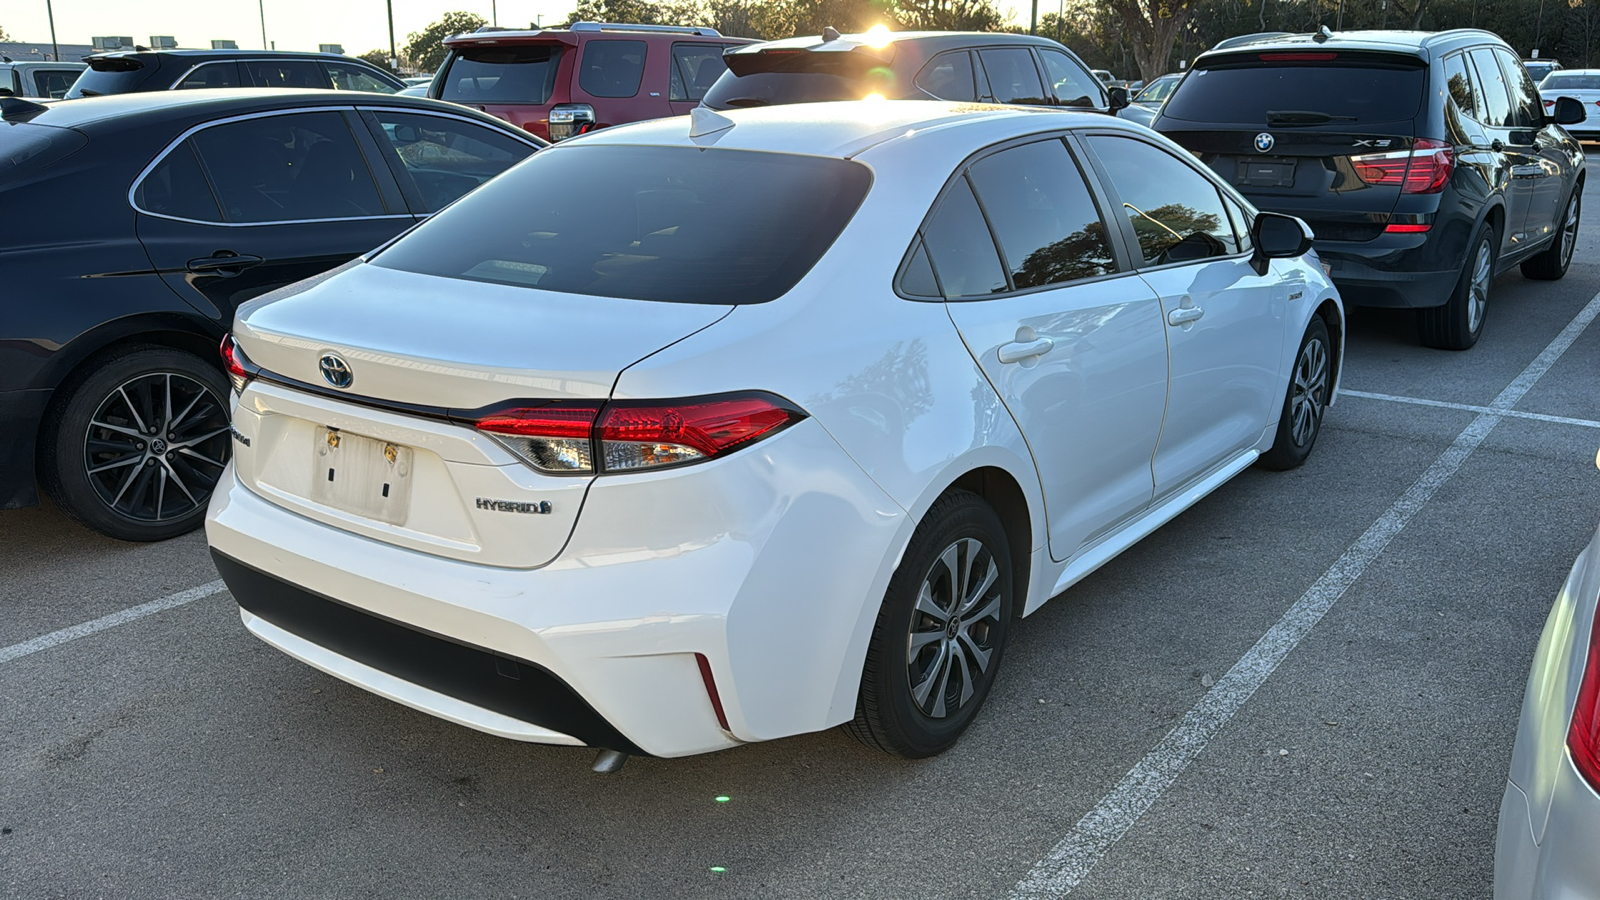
x=1012, y=76
x=1043, y=215
x=612, y=68
x=1176, y=213
x=1072, y=84
x=287, y=73
x=53, y=83
x=962, y=251
x=176, y=187
x=1349, y=91
x=1463, y=87
x=212, y=75
x=948, y=76
x=695, y=68
x=674, y=224
x=522, y=74
x=288, y=168
x=1495, y=95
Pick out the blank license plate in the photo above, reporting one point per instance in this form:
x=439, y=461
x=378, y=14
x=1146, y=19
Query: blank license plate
x=360, y=475
x=1265, y=173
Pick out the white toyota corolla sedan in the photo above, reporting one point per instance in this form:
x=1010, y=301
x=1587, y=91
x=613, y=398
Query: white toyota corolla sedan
x=723, y=428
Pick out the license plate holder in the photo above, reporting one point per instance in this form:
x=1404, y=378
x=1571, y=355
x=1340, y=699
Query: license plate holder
x=361, y=475
x=1254, y=172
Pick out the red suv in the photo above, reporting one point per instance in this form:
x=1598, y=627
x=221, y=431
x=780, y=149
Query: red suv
x=559, y=82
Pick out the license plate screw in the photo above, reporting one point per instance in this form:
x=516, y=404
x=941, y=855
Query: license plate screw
x=391, y=454
x=333, y=437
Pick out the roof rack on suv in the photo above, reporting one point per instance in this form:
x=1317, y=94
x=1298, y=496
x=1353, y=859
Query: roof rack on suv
x=669, y=29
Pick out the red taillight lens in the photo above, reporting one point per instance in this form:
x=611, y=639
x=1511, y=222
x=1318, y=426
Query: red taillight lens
x=234, y=360
x=1404, y=228
x=1583, y=738
x=1424, y=169
x=557, y=438
x=636, y=435
x=1549, y=103
x=629, y=435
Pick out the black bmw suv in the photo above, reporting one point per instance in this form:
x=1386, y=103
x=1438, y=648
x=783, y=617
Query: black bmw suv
x=1425, y=162
x=127, y=71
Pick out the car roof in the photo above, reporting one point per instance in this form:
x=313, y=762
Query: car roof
x=230, y=54
x=1419, y=44
x=841, y=128
x=146, y=107
x=933, y=41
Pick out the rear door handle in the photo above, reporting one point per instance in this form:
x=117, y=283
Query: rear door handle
x=1184, y=315
x=1497, y=145
x=1017, y=351
x=231, y=264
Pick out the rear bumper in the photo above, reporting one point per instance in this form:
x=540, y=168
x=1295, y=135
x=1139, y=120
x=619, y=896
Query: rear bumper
x=20, y=415
x=1564, y=864
x=1383, y=276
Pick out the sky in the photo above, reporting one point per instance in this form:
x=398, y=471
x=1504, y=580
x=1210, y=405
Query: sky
x=359, y=25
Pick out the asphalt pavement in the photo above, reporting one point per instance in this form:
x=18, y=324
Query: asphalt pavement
x=1305, y=686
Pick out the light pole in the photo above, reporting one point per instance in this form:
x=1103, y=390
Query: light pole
x=394, y=57
x=55, y=52
x=262, y=5
x=1033, y=24
x=494, y=13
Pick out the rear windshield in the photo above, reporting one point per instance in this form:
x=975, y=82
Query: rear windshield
x=675, y=224
x=114, y=75
x=1560, y=81
x=777, y=77
x=522, y=74
x=1347, y=93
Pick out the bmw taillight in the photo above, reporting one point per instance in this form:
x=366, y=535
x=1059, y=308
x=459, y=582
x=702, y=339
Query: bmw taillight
x=570, y=119
x=1424, y=169
x=581, y=438
x=238, y=365
x=1583, y=738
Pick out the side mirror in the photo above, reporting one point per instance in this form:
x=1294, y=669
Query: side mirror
x=1569, y=111
x=1278, y=236
x=1119, y=98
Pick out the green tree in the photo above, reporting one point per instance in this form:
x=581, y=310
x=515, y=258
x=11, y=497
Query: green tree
x=4, y=36
x=425, y=49
x=948, y=15
x=379, y=58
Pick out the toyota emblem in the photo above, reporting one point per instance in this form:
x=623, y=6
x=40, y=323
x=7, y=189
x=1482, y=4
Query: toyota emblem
x=1264, y=142
x=335, y=370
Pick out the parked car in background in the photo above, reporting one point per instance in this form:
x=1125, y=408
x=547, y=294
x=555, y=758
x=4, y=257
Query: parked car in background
x=43, y=80
x=1550, y=812
x=1540, y=69
x=126, y=71
x=193, y=202
x=414, y=80
x=1145, y=103
x=1582, y=85
x=561, y=82
x=416, y=90
x=744, y=425
x=1425, y=162
x=970, y=67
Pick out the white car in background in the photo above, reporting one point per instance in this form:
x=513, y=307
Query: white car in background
x=723, y=428
x=1582, y=85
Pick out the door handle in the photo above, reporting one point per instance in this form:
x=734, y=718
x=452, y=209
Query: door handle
x=1183, y=315
x=1017, y=351
x=1497, y=145
x=221, y=264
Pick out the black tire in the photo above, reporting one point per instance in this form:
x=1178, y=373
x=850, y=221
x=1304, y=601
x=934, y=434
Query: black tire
x=1551, y=263
x=912, y=717
x=102, y=464
x=1459, y=322
x=1304, y=401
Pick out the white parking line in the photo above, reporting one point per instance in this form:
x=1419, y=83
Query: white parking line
x=1442, y=404
x=1076, y=855
x=57, y=638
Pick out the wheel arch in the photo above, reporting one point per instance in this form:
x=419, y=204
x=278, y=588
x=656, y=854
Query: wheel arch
x=1332, y=315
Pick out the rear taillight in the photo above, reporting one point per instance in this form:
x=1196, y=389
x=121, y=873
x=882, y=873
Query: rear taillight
x=633, y=435
x=238, y=365
x=1424, y=169
x=570, y=119
x=1549, y=103
x=1583, y=738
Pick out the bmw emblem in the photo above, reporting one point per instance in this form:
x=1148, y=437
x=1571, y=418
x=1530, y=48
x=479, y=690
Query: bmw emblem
x=335, y=370
x=1264, y=142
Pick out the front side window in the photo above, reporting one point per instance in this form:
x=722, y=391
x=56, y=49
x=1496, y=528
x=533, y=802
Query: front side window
x=612, y=68
x=948, y=76
x=1463, y=87
x=1013, y=78
x=1042, y=214
x=695, y=68
x=1525, y=111
x=671, y=224
x=961, y=248
x=1496, y=96
x=1073, y=85
x=1176, y=213
x=287, y=168
x=354, y=78
x=445, y=158
x=524, y=73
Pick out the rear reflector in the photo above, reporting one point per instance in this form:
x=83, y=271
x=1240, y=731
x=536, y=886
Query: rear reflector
x=1424, y=169
x=1397, y=228
x=1298, y=57
x=1583, y=738
x=711, y=690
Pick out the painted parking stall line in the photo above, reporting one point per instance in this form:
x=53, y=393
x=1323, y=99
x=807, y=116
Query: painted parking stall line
x=123, y=617
x=1076, y=855
x=1464, y=407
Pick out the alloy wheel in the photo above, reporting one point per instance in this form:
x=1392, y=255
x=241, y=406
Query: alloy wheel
x=957, y=616
x=1310, y=392
x=1482, y=275
x=156, y=446
x=1569, y=231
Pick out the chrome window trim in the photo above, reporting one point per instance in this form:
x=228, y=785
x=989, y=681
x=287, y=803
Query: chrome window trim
x=194, y=129
x=198, y=66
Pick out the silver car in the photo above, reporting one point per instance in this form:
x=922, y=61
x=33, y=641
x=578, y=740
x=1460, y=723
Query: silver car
x=1145, y=104
x=1550, y=816
x=1582, y=85
x=42, y=80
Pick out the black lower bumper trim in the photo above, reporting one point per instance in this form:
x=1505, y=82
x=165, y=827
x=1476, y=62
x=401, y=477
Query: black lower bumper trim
x=509, y=686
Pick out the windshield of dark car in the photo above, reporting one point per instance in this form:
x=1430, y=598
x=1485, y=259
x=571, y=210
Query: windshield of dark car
x=675, y=224
x=1347, y=92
